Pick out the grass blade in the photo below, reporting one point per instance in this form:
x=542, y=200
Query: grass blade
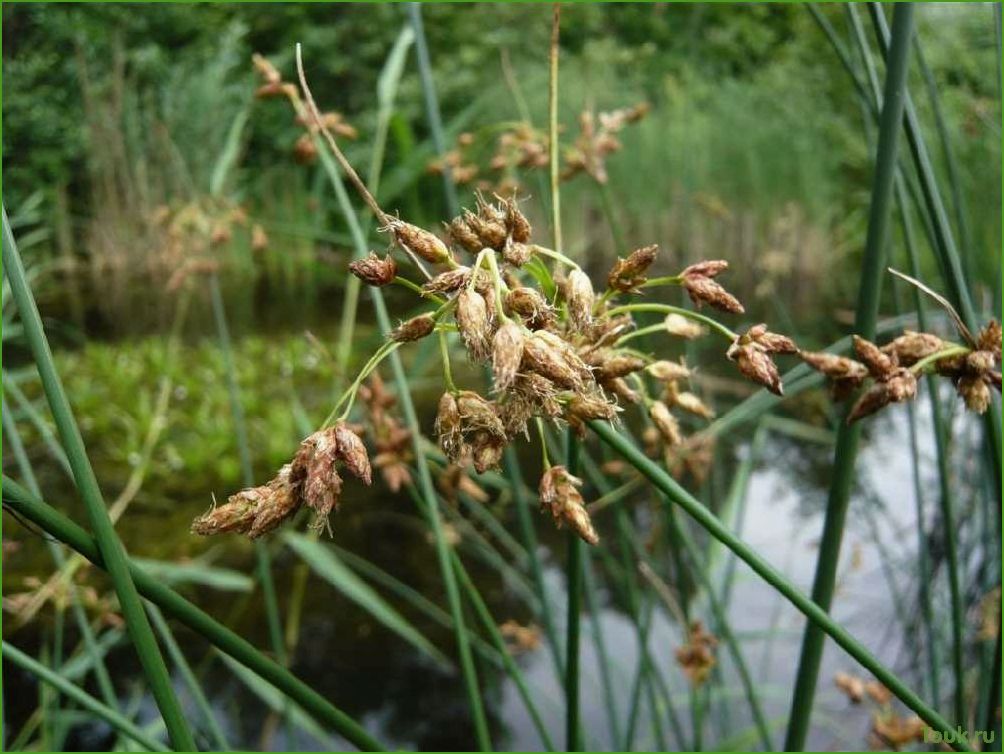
x=329, y=567
x=111, y=547
x=56, y=524
x=873, y=266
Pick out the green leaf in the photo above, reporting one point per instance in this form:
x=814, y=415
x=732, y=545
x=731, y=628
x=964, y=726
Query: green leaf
x=329, y=567
x=196, y=572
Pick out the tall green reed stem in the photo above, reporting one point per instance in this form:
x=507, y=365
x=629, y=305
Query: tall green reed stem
x=816, y=615
x=87, y=485
x=173, y=604
x=427, y=492
x=872, y=272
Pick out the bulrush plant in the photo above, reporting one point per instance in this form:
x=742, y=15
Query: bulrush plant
x=557, y=351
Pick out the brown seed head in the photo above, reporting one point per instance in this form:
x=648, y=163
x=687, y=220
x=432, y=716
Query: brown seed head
x=560, y=496
x=516, y=253
x=579, y=296
x=975, y=392
x=584, y=407
x=516, y=222
x=529, y=304
x=449, y=281
x=628, y=274
x=668, y=371
x=845, y=375
x=259, y=238
x=704, y=290
x=687, y=401
x=677, y=324
x=507, y=354
x=895, y=386
x=449, y=426
x=610, y=364
x=352, y=452
x=474, y=322
x=755, y=364
x=852, y=686
x=619, y=387
x=989, y=338
x=314, y=470
x=666, y=423
x=879, y=364
x=427, y=245
x=373, y=270
x=697, y=657
x=540, y=356
x=911, y=347
x=415, y=328
x=478, y=413
x=486, y=451
x=463, y=235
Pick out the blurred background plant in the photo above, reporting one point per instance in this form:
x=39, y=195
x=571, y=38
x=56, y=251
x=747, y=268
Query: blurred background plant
x=137, y=160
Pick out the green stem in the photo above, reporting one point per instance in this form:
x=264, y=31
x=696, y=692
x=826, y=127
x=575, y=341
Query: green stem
x=872, y=273
x=573, y=577
x=668, y=309
x=111, y=547
x=945, y=353
x=497, y=639
x=173, y=604
x=816, y=615
x=122, y=724
x=444, y=352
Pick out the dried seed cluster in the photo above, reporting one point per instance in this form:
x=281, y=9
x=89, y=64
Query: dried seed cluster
x=697, y=656
x=311, y=479
x=974, y=369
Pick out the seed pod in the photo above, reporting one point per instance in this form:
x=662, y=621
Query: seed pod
x=688, y=402
x=584, y=407
x=415, y=328
x=474, y=323
x=696, y=658
x=490, y=229
x=975, y=392
x=560, y=496
x=845, y=375
x=618, y=364
x=529, y=304
x=486, y=451
x=621, y=389
x=507, y=354
x=627, y=275
x=979, y=362
x=878, y=363
x=314, y=470
x=756, y=364
x=706, y=269
x=539, y=392
x=703, y=290
x=896, y=386
x=463, y=235
x=352, y=451
x=989, y=338
x=517, y=254
x=579, y=296
x=478, y=413
x=516, y=222
x=852, y=686
x=771, y=342
x=255, y=511
x=911, y=347
x=427, y=245
x=677, y=324
x=668, y=371
x=541, y=357
x=448, y=426
x=567, y=351
x=449, y=281
x=373, y=270
x=666, y=423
